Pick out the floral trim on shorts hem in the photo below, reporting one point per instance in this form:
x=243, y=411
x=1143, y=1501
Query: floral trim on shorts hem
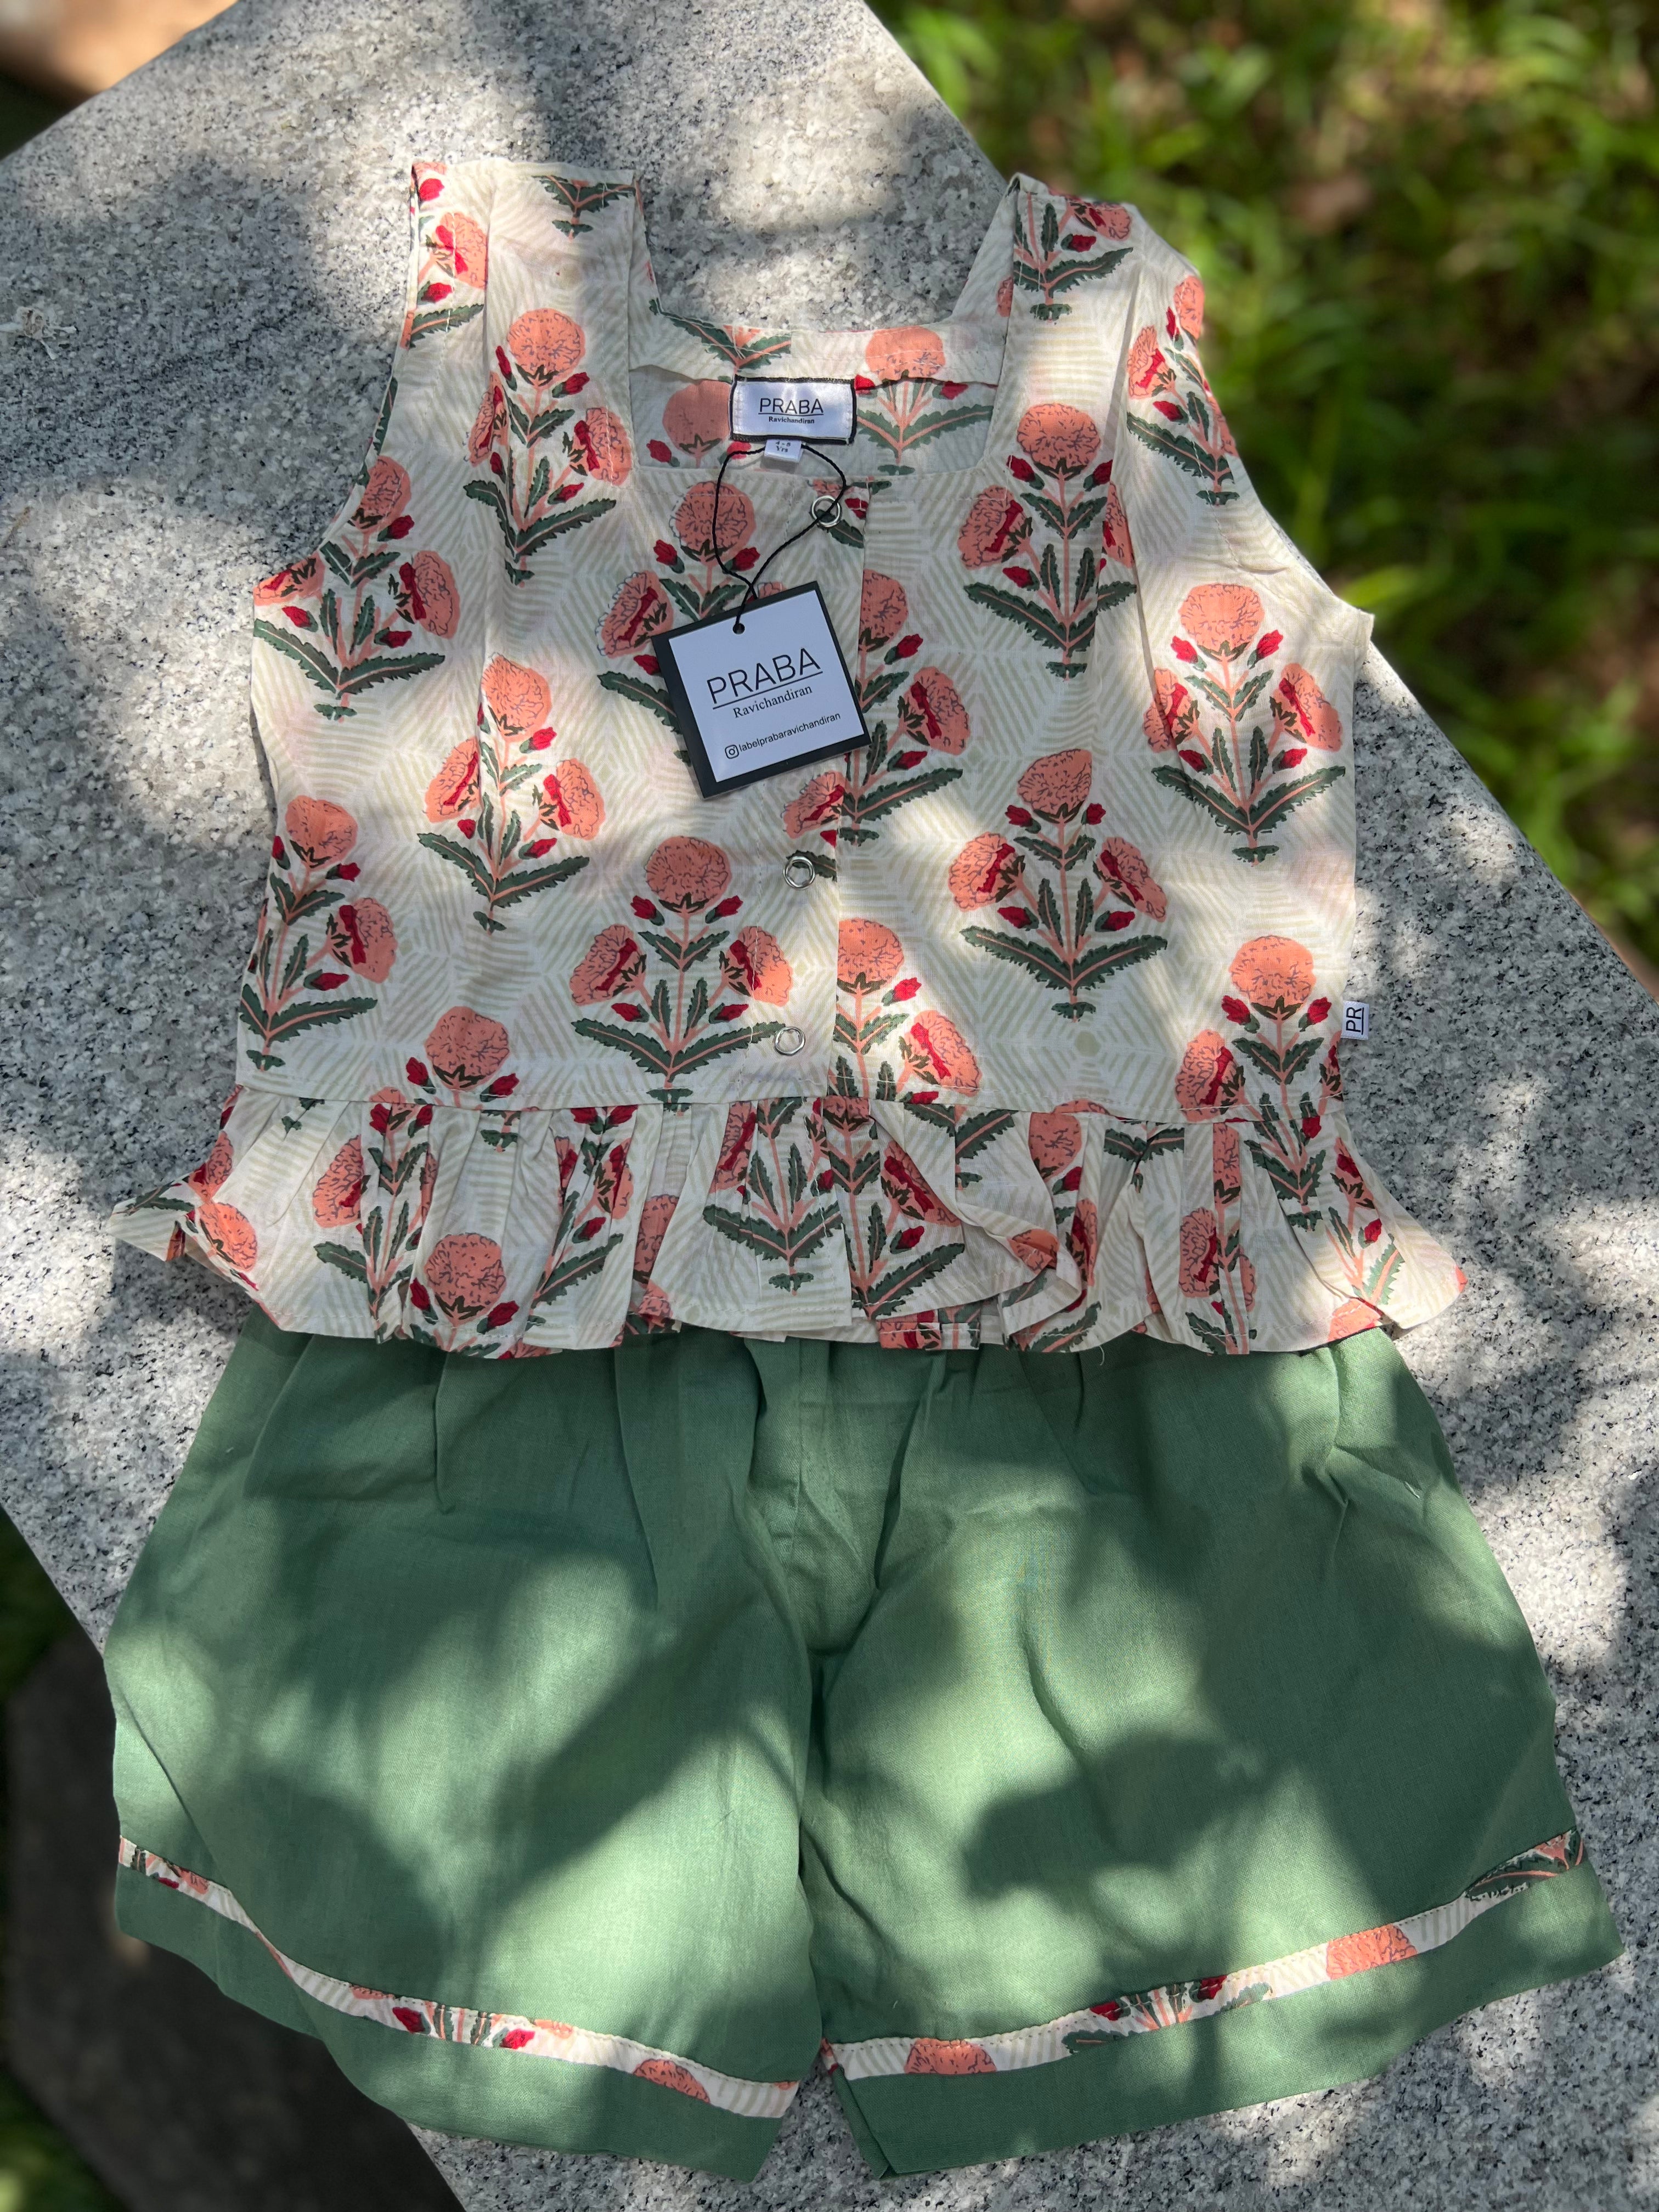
x=489, y=2031
x=1176, y=2002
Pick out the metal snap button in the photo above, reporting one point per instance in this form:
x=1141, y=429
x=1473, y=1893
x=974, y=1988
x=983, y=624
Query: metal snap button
x=798, y=870
x=789, y=1041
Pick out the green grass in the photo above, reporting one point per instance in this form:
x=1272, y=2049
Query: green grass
x=1430, y=236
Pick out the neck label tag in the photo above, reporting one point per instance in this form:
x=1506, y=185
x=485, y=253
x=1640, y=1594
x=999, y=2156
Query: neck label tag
x=754, y=702
x=794, y=407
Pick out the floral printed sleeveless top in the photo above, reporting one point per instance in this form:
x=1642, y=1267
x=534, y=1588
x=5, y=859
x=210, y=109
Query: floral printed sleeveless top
x=1019, y=1027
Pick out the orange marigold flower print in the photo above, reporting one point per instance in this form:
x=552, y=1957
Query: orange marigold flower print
x=669, y=2074
x=986, y=869
x=1115, y=531
x=1038, y=1248
x=937, y=710
x=910, y=1191
x=1200, y=1253
x=462, y=249
x=489, y=422
x=319, y=832
x=519, y=698
x=1122, y=865
x=1057, y=785
x=737, y=1142
x=1317, y=720
x=1352, y=1318
x=1275, y=973
x=698, y=417
x=1226, y=1166
x=867, y=955
x=466, y=1047
x=229, y=1233
x=753, y=964
x=654, y=1217
x=943, y=1052
x=815, y=804
x=301, y=580
x=1189, y=306
x=364, y=936
x=1221, y=618
x=572, y=794
x=882, y=608
x=1209, y=1078
x=455, y=790
x=1083, y=1239
x=910, y=351
x=1374, y=1946
x=1062, y=439
x=465, y=1273
x=996, y=527
x=611, y=962
x=1148, y=371
x=1173, y=715
x=613, y=1181
x=640, y=609
x=694, y=521
x=338, y=1198
x=214, y=1170
x=931, y=2055
x=545, y=345
x=687, y=872
x=386, y=494
x=429, y=593
x=602, y=444
x=1055, y=1140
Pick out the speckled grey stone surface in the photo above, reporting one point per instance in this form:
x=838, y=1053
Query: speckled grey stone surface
x=211, y=256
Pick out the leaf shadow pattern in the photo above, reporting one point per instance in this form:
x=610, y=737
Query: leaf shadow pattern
x=197, y=438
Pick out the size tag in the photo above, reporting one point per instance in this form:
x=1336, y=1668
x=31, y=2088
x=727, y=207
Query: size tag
x=1356, y=1020
x=752, y=702
x=794, y=407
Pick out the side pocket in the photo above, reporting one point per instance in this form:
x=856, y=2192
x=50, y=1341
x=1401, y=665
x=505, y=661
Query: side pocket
x=1387, y=1455
x=353, y=1421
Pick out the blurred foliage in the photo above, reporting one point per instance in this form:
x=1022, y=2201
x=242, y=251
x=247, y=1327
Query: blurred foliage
x=39, y=2171
x=1430, y=236
x=23, y=112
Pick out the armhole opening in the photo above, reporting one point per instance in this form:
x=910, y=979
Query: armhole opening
x=290, y=581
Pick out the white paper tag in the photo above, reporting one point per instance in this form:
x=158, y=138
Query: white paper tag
x=1356, y=1020
x=794, y=407
x=754, y=702
x=783, y=449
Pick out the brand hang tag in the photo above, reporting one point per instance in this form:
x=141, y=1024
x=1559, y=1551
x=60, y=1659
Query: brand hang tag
x=819, y=408
x=751, y=702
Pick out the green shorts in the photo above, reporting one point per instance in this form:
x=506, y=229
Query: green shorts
x=1065, y=1743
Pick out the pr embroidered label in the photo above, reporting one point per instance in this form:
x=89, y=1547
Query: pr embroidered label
x=1356, y=1020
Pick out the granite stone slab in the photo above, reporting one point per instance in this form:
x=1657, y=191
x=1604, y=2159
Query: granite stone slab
x=202, y=273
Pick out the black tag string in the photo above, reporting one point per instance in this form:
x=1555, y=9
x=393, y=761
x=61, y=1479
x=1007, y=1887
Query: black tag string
x=826, y=514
